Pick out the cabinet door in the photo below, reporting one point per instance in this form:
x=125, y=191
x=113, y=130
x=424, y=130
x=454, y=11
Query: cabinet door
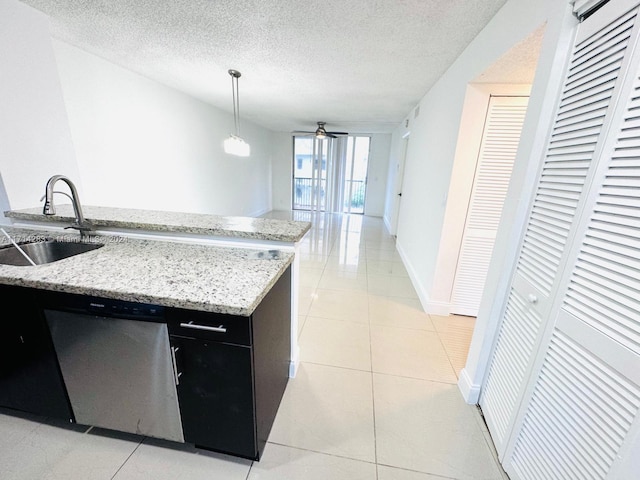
x=215, y=391
x=30, y=378
x=9, y=363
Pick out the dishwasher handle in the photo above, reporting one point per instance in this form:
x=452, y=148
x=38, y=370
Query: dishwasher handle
x=195, y=326
x=174, y=363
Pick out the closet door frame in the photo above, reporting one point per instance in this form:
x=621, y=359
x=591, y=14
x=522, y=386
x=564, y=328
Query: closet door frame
x=486, y=199
x=544, y=100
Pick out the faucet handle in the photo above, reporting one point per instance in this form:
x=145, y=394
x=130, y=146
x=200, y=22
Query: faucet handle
x=85, y=228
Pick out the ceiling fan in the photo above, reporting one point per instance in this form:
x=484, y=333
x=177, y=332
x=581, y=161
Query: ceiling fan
x=321, y=132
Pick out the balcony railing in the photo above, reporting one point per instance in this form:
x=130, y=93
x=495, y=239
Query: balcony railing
x=302, y=194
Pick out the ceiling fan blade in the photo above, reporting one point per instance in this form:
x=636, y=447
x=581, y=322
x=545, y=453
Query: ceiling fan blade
x=339, y=133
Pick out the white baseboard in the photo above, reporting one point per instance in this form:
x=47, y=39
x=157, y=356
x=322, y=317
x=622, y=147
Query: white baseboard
x=415, y=278
x=387, y=223
x=259, y=213
x=470, y=391
x=438, y=308
x=294, y=363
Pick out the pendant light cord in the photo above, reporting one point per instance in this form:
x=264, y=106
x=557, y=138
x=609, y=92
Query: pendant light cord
x=236, y=99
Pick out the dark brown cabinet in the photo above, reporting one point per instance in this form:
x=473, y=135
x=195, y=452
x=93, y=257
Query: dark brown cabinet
x=232, y=372
x=30, y=379
x=215, y=393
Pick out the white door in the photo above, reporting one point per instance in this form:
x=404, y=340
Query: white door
x=398, y=187
x=500, y=139
x=603, y=46
x=581, y=408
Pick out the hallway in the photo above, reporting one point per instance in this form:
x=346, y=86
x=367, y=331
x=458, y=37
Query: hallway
x=377, y=381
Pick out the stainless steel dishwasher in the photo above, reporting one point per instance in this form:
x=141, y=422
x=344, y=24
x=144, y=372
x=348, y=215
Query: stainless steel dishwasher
x=117, y=365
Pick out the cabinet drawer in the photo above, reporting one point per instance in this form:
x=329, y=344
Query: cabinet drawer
x=209, y=326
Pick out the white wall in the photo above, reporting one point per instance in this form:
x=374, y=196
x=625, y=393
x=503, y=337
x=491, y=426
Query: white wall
x=434, y=134
x=140, y=144
x=35, y=140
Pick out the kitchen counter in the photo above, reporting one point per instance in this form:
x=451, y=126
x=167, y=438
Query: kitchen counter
x=249, y=228
x=176, y=274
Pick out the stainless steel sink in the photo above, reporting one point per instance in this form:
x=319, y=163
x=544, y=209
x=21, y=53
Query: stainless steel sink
x=45, y=251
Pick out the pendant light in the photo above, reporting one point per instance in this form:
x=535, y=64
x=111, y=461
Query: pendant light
x=235, y=145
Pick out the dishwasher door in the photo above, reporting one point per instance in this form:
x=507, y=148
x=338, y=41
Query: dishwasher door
x=118, y=373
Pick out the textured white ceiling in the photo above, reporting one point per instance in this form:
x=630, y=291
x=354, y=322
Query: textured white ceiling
x=360, y=65
x=517, y=65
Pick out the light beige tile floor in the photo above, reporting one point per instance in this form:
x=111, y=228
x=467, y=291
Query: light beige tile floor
x=375, y=397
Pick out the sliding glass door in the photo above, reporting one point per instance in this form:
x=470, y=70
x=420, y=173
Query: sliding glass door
x=309, y=173
x=330, y=175
x=355, y=175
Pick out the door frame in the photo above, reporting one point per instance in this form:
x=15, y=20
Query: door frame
x=462, y=293
x=554, y=57
x=398, y=187
x=474, y=112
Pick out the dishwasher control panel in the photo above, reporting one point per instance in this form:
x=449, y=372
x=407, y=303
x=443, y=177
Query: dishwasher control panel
x=117, y=308
x=105, y=307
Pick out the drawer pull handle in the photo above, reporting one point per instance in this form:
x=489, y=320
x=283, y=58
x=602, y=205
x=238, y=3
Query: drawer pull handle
x=220, y=329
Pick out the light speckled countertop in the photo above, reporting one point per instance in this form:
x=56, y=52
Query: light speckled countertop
x=201, y=277
x=160, y=221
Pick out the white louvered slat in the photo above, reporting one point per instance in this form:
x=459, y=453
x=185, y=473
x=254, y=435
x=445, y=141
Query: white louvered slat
x=579, y=415
x=585, y=99
x=518, y=334
x=498, y=148
x=582, y=7
x=604, y=289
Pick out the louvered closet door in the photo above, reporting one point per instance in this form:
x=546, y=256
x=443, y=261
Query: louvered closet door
x=500, y=139
x=584, y=405
x=600, y=52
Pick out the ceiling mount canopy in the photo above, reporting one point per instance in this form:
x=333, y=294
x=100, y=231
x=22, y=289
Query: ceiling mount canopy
x=234, y=144
x=321, y=133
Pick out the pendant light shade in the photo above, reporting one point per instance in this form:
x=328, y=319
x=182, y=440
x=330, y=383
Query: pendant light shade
x=234, y=144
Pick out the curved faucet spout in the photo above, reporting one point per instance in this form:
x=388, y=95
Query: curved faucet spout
x=49, y=208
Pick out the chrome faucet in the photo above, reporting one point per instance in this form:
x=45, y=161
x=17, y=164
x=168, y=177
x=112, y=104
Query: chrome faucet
x=81, y=224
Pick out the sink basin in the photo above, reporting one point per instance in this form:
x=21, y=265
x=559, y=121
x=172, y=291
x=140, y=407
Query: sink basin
x=45, y=251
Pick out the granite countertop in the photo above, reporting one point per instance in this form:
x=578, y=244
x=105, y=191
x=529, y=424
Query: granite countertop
x=174, y=274
x=161, y=221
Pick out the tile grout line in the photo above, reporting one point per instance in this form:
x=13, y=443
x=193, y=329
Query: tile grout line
x=320, y=452
x=404, y=469
x=127, y=459
x=373, y=399
x=373, y=403
x=379, y=251
x=446, y=352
